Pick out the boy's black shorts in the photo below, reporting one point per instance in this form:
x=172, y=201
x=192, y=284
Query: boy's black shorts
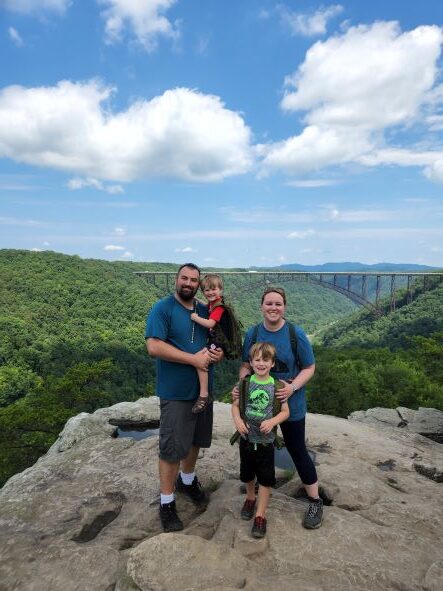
x=257, y=463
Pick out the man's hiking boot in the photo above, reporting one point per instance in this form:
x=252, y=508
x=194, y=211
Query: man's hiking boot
x=259, y=527
x=247, y=511
x=194, y=491
x=314, y=514
x=169, y=518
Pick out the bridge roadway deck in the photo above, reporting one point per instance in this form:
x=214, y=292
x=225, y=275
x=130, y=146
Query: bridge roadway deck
x=329, y=279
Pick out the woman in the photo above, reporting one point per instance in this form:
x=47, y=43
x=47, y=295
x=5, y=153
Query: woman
x=294, y=367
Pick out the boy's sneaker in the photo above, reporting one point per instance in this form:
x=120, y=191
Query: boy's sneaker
x=259, y=527
x=169, y=518
x=194, y=491
x=247, y=511
x=200, y=405
x=314, y=514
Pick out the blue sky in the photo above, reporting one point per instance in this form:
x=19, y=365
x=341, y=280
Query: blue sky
x=229, y=133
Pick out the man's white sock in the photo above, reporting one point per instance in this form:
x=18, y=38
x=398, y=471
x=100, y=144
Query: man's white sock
x=187, y=478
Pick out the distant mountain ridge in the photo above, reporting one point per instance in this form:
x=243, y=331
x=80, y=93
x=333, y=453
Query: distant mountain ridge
x=350, y=267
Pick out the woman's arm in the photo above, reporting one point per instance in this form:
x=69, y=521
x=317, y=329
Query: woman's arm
x=287, y=389
x=303, y=377
x=206, y=322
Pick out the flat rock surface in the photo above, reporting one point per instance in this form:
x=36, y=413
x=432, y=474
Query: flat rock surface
x=85, y=516
x=425, y=421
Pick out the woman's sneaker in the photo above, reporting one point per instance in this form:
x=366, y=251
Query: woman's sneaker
x=247, y=511
x=259, y=527
x=314, y=514
x=169, y=518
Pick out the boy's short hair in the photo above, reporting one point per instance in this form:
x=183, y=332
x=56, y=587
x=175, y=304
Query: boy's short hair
x=211, y=280
x=267, y=351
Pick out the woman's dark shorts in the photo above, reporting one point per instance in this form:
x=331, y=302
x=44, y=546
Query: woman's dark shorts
x=258, y=463
x=180, y=429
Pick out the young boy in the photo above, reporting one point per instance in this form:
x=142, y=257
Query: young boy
x=257, y=435
x=212, y=288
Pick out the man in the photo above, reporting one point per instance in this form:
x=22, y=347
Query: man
x=178, y=344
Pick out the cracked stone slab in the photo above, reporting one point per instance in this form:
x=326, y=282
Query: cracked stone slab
x=381, y=530
x=428, y=422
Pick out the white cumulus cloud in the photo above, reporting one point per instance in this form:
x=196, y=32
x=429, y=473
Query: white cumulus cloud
x=144, y=19
x=36, y=6
x=310, y=24
x=127, y=255
x=185, y=249
x=113, y=247
x=353, y=87
x=182, y=134
x=312, y=183
x=302, y=234
x=80, y=183
x=434, y=171
x=15, y=36
x=372, y=76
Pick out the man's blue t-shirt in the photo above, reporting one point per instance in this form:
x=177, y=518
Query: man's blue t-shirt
x=171, y=322
x=282, y=342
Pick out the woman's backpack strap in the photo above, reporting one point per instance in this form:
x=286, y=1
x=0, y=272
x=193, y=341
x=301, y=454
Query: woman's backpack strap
x=292, y=339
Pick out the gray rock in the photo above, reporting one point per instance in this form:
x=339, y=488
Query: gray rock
x=183, y=563
x=425, y=421
x=85, y=516
x=380, y=417
x=428, y=422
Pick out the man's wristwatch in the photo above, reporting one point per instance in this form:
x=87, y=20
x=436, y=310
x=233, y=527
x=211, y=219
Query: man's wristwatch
x=294, y=388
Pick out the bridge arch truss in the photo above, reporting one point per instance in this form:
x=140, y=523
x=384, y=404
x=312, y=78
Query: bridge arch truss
x=353, y=285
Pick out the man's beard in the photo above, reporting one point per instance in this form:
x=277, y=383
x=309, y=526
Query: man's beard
x=188, y=294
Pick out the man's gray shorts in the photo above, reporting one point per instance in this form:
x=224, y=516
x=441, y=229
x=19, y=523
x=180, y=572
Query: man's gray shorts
x=180, y=429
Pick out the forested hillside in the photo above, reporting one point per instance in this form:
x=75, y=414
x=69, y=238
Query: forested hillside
x=423, y=316
x=71, y=340
x=395, y=360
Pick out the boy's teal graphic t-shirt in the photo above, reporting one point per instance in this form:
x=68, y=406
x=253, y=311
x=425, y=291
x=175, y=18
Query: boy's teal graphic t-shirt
x=260, y=407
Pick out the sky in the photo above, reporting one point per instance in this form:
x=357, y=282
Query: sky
x=230, y=133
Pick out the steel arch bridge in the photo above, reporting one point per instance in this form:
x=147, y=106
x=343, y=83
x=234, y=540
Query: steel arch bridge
x=353, y=285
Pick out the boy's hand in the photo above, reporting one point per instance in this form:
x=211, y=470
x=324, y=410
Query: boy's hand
x=241, y=426
x=216, y=355
x=194, y=316
x=267, y=426
x=235, y=393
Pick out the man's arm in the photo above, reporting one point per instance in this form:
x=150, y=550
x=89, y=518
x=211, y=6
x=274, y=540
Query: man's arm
x=167, y=352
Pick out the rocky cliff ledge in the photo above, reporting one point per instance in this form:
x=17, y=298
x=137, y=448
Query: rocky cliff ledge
x=85, y=516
